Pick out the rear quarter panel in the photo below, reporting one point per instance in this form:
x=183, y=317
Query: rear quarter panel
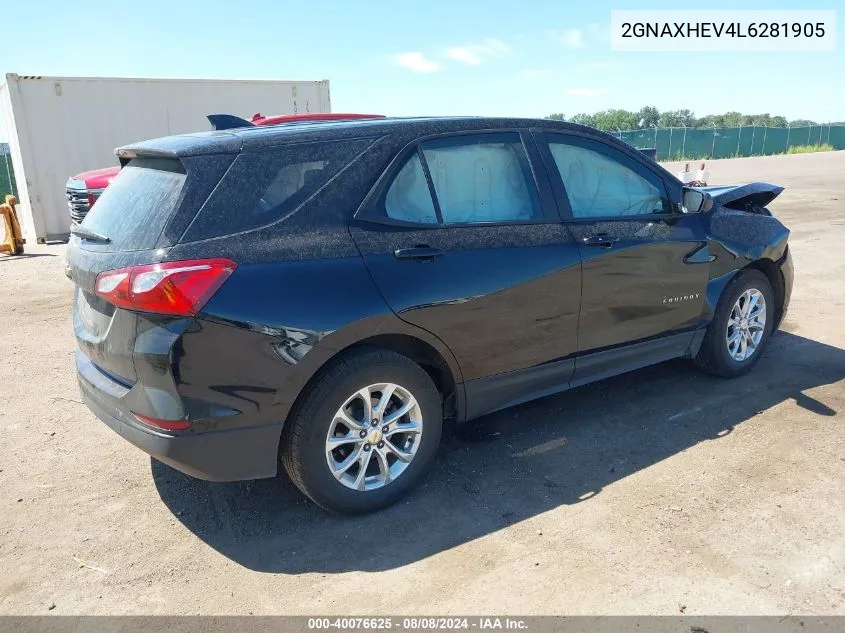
x=272, y=326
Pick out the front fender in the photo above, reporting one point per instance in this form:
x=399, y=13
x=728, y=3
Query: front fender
x=736, y=240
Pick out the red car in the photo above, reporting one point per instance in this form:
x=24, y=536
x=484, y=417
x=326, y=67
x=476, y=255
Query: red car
x=83, y=189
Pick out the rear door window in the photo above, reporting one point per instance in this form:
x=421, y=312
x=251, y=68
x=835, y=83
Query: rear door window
x=408, y=198
x=134, y=209
x=483, y=178
x=261, y=187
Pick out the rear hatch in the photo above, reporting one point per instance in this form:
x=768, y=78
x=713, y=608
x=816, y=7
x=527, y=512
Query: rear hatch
x=138, y=218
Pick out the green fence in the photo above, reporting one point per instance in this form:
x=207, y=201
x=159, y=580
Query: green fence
x=7, y=174
x=679, y=143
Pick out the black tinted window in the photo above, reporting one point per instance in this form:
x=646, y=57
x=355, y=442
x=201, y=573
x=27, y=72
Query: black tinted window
x=263, y=186
x=135, y=207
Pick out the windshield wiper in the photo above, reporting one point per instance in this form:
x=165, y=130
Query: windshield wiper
x=88, y=234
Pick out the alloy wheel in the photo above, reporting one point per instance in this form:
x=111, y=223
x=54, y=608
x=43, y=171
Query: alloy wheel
x=374, y=436
x=746, y=325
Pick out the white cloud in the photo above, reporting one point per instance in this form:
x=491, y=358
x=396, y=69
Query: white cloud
x=491, y=47
x=589, y=93
x=463, y=55
x=417, y=62
x=569, y=37
x=475, y=54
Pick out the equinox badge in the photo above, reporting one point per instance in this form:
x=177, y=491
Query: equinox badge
x=681, y=298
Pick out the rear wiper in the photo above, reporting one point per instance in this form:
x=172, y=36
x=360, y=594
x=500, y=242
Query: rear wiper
x=88, y=234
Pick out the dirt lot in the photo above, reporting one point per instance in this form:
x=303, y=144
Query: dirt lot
x=662, y=491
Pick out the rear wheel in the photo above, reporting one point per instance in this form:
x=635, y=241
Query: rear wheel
x=365, y=432
x=740, y=328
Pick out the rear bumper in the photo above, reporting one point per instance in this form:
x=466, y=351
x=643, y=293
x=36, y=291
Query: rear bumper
x=231, y=455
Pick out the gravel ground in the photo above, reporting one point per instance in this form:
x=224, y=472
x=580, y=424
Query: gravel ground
x=664, y=491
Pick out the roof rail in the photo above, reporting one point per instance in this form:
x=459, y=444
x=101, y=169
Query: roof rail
x=259, y=119
x=230, y=121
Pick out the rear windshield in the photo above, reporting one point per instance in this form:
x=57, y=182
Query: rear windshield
x=135, y=207
x=264, y=186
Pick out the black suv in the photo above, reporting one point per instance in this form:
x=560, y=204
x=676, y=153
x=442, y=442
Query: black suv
x=325, y=294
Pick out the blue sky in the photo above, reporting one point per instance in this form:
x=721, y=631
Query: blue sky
x=496, y=57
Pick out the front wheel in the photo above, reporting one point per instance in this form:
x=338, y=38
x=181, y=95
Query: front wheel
x=365, y=432
x=740, y=328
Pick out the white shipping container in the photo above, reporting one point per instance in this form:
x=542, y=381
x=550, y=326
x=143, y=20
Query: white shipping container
x=61, y=126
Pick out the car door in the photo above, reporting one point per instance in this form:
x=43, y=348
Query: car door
x=644, y=262
x=463, y=238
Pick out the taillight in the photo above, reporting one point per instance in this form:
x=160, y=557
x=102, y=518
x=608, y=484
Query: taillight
x=91, y=199
x=176, y=288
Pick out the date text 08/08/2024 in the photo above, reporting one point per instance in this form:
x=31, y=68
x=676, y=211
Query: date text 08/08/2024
x=417, y=623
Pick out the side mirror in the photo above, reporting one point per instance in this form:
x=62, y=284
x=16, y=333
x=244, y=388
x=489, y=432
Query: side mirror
x=696, y=201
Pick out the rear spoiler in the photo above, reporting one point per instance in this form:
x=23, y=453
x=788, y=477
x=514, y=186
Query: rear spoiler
x=227, y=121
x=651, y=152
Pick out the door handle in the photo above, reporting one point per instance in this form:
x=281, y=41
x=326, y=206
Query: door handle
x=602, y=239
x=419, y=252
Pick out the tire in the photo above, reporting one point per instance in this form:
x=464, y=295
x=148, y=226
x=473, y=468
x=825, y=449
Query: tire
x=304, y=445
x=714, y=355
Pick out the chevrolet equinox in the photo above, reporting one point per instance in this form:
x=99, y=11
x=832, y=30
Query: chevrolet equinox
x=323, y=295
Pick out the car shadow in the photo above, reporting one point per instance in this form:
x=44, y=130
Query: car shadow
x=505, y=467
x=10, y=258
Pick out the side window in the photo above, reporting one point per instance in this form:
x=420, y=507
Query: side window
x=482, y=179
x=408, y=197
x=263, y=186
x=290, y=180
x=599, y=186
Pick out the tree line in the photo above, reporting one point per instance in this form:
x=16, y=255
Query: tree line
x=649, y=117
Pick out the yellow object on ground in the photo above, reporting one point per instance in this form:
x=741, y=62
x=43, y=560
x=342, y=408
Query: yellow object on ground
x=11, y=240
